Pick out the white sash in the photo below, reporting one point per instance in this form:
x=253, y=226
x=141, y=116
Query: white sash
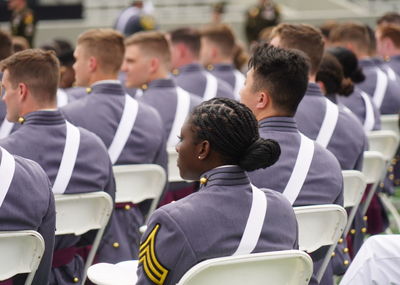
x=124, y=129
x=72, y=140
x=369, y=121
x=391, y=73
x=239, y=83
x=328, y=124
x=300, y=170
x=7, y=169
x=381, y=86
x=5, y=128
x=211, y=87
x=182, y=110
x=62, y=98
x=254, y=223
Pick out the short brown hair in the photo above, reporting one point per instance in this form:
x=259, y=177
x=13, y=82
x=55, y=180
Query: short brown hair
x=153, y=43
x=392, y=32
x=389, y=18
x=106, y=45
x=5, y=45
x=38, y=69
x=301, y=37
x=223, y=36
x=355, y=33
x=188, y=36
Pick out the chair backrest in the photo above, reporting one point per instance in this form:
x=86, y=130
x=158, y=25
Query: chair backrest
x=353, y=191
x=287, y=267
x=373, y=166
x=138, y=182
x=80, y=213
x=390, y=122
x=21, y=252
x=173, y=170
x=385, y=142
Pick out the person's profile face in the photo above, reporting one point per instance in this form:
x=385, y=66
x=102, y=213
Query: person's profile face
x=247, y=94
x=81, y=66
x=137, y=66
x=10, y=96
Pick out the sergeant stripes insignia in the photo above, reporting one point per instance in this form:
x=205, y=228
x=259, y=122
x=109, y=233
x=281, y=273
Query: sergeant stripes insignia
x=154, y=270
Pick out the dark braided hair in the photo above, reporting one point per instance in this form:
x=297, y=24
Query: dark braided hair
x=232, y=131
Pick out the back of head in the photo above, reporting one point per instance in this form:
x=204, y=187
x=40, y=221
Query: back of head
x=352, y=33
x=189, y=37
x=389, y=18
x=391, y=32
x=283, y=73
x=232, y=131
x=330, y=73
x=349, y=63
x=106, y=45
x=38, y=69
x=152, y=43
x=372, y=41
x=6, y=46
x=327, y=27
x=222, y=36
x=302, y=37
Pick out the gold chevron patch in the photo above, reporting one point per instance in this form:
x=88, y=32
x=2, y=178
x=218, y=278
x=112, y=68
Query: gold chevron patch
x=154, y=270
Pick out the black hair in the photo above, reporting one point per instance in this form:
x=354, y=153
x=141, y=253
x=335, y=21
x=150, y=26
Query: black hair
x=283, y=73
x=349, y=63
x=331, y=74
x=232, y=131
x=189, y=36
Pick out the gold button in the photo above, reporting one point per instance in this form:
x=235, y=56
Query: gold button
x=382, y=185
x=346, y=250
x=210, y=67
x=144, y=86
x=365, y=218
x=175, y=71
x=390, y=169
x=21, y=120
x=340, y=241
x=88, y=90
x=333, y=254
x=346, y=262
x=391, y=177
x=76, y=279
x=116, y=244
x=203, y=180
x=127, y=207
x=364, y=230
x=352, y=231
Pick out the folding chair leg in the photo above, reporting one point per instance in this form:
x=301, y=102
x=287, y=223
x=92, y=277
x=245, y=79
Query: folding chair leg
x=391, y=208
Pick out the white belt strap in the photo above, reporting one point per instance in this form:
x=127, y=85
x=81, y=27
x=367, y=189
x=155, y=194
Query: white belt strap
x=62, y=98
x=68, y=159
x=239, y=83
x=5, y=128
x=211, y=87
x=328, y=124
x=124, y=129
x=254, y=223
x=300, y=170
x=182, y=110
x=380, y=89
x=7, y=169
x=369, y=121
x=391, y=73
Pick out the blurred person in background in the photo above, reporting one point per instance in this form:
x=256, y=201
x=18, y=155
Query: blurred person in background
x=23, y=20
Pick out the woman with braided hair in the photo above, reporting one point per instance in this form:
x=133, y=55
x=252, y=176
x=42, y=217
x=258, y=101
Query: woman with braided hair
x=219, y=142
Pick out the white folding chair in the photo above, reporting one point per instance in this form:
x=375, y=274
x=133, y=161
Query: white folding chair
x=385, y=142
x=138, y=182
x=79, y=213
x=21, y=252
x=354, y=185
x=390, y=122
x=320, y=225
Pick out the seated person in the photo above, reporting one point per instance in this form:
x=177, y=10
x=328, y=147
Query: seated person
x=219, y=142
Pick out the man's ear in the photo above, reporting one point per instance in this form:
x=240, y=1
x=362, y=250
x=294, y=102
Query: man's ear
x=93, y=64
x=154, y=64
x=263, y=100
x=203, y=150
x=22, y=91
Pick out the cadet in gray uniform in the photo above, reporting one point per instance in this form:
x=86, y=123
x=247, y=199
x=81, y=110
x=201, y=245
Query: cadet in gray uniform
x=218, y=143
x=189, y=73
x=217, y=55
x=388, y=45
x=380, y=83
x=74, y=159
x=24, y=184
x=139, y=139
x=147, y=64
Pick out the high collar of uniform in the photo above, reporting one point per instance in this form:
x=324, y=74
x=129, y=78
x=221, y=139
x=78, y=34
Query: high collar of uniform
x=278, y=123
x=394, y=58
x=162, y=83
x=107, y=87
x=367, y=62
x=223, y=67
x=227, y=175
x=51, y=117
x=313, y=89
x=191, y=67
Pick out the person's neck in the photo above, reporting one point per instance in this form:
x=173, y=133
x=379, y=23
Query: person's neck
x=38, y=107
x=101, y=77
x=186, y=61
x=269, y=114
x=161, y=74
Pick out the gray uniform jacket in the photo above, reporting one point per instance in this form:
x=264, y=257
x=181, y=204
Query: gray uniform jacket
x=42, y=138
x=210, y=223
x=229, y=74
x=29, y=205
x=391, y=99
x=193, y=78
x=348, y=140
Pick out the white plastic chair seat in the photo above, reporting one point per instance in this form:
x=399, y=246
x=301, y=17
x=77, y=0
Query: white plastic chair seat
x=390, y=122
x=385, y=142
x=122, y=273
x=20, y=252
